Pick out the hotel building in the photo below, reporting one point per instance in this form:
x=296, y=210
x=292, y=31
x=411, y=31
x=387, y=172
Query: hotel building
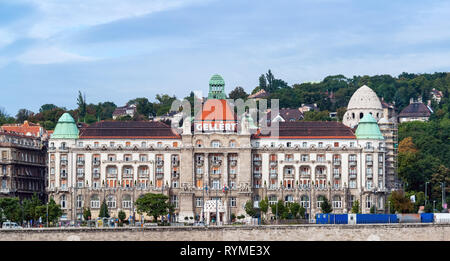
x=305, y=162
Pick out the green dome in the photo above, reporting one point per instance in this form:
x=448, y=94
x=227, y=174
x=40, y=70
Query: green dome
x=368, y=128
x=216, y=80
x=66, y=128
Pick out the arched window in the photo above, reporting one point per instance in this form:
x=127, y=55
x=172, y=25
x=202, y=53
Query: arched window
x=304, y=201
x=353, y=115
x=215, y=144
x=232, y=144
x=337, y=202
x=126, y=201
x=361, y=115
x=320, y=200
x=289, y=199
x=111, y=201
x=95, y=201
x=63, y=201
x=199, y=143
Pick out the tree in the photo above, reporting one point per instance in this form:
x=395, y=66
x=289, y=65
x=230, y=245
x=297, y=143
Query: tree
x=355, y=207
x=154, y=205
x=87, y=213
x=262, y=82
x=400, y=203
x=238, y=93
x=326, y=206
x=294, y=209
x=54, y=211
x=122, y=217
x=81, y=102
x=279, y=209
x=23, y=115
x=143, y=106
x=264, y=206
x=104, y=210
x=249, y=209
x=31, y=208
x=10, y=209
x=47, y=107
x=373, y=210
x=302, y=212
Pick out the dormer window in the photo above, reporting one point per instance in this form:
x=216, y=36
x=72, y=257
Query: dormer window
x=215, y=144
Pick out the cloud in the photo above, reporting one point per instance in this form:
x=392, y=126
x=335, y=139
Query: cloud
x=49, y=55
x=58, y=16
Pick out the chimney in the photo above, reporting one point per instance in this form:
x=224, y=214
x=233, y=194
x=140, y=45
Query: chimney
x=429, y=103
x=411, y=100
x=420, y=99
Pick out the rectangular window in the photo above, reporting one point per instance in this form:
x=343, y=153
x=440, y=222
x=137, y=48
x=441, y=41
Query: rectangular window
x=198, y=202
x=232, y=202
x=352, y=184
x=304, y=144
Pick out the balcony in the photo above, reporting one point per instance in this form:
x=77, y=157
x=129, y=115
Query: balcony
x=257, y=175
x=63, y=175
x=65, y=189
x=257, y=159
x=305, y=174
x=352, y=163
x=199, y=162
x=4, y=190
x=233, y=163
x=63, y=162
x=352, y=175
x=273, y=175
x=63, y=148
x=96, y=162
x=273, y=163
x=175, y=175
x=369, y=163
x=288, y=175
x=80, y=162
x=321, y=174
x=216, y=163
x=111, y=175
x=369, y=175
x=96, y=175
x=159, y=175
x=80, y=174
x=337, y=175
x=257, y=163
x=175, y=163
x=232, y=175
x=337, y=163
x=159, y=163
x=143, y=174
x=127, y=175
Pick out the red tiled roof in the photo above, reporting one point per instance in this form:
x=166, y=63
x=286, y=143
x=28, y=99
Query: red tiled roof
x=216, y=110
x=26, y=127
x=311, y=130
x=128, y=130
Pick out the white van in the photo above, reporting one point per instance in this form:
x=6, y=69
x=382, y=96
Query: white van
x=10, y=225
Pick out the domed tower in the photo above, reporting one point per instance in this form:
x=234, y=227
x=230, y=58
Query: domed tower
x=368, y=129
x=363, y=101
x=216, y=87
x=66, y=128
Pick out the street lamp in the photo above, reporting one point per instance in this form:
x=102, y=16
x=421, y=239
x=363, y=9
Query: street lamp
x=426, y=198
x=434, y=204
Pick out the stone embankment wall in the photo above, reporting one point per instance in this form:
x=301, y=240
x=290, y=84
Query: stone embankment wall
x=383, y=232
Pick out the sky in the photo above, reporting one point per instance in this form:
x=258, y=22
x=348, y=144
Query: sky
x=116, y=51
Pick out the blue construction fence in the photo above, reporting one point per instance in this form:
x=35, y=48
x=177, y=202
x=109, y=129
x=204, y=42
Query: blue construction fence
x=373, y=218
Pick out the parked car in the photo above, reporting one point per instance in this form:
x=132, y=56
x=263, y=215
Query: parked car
x=10, y=225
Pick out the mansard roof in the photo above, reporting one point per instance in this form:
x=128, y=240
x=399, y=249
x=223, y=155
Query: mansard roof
x=128, y=130
x=416, y=109
x=311, y=130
